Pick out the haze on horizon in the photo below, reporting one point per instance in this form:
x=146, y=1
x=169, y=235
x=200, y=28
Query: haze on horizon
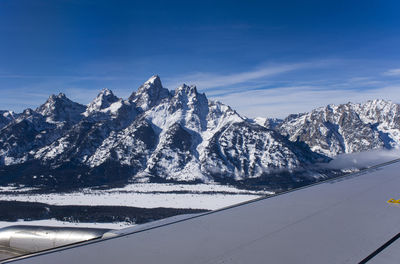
x=263, y=58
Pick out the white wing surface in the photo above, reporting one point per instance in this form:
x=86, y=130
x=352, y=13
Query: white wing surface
x=347, y=220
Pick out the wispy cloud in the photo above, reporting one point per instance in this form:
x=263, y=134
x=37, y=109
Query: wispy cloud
x=282, y=101
x=266, y=91
x=206, y=81
x=392, y=72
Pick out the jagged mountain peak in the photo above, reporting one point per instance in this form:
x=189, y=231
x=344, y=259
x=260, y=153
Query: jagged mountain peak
x=61, y=97
x=105, y=92
x=150, y=93
x=187, y=98
x=378, y=104
x=369, y=103
x=7, y=114
x=52, y=101
x=384, y=112
x=154, y=80
x=6, y=117
x=58, y=96
x=186, y=89
x=28, y=111
x=103, y=100
x=187, y=93
x=59, y=108
x=152, y=85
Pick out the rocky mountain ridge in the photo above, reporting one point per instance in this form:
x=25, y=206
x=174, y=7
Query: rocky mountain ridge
x=346, y=128
x=180, y=135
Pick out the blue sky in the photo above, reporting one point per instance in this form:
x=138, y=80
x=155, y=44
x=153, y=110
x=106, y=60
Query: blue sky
x=264, y=58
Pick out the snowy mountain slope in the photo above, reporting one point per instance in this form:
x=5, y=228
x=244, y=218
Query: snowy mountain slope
x=384, y=116
x=346, y=128
x=34, y=129
x=80, y=142
x=166, y=141
x=180, y=135
x=249, y=151
x=131, y=146
x=28, y=132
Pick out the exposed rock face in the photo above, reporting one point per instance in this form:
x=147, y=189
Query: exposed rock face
x=149, y=94
x=58, y=108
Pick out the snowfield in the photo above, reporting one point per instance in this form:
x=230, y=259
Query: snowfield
x=196, y=196
x=197, y=188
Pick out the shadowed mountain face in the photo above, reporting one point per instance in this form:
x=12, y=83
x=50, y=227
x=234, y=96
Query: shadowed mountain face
x=180, y=135
x=6, y=117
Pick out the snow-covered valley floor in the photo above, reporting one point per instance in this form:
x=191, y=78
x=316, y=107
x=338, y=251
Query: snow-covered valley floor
x=143, y=195
x=196, y=196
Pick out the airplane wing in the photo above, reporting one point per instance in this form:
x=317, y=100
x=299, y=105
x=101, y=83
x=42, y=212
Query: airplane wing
x=352, y=219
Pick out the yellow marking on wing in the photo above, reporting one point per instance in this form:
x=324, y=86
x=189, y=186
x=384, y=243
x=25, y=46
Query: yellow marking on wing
x=393, y=201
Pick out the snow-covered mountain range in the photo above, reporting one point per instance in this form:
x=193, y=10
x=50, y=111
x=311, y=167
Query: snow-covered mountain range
x=179, y=135
x=346, y=128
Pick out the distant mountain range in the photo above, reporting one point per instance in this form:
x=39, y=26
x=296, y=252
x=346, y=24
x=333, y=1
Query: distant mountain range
x=180, y=135
x=346, y=128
